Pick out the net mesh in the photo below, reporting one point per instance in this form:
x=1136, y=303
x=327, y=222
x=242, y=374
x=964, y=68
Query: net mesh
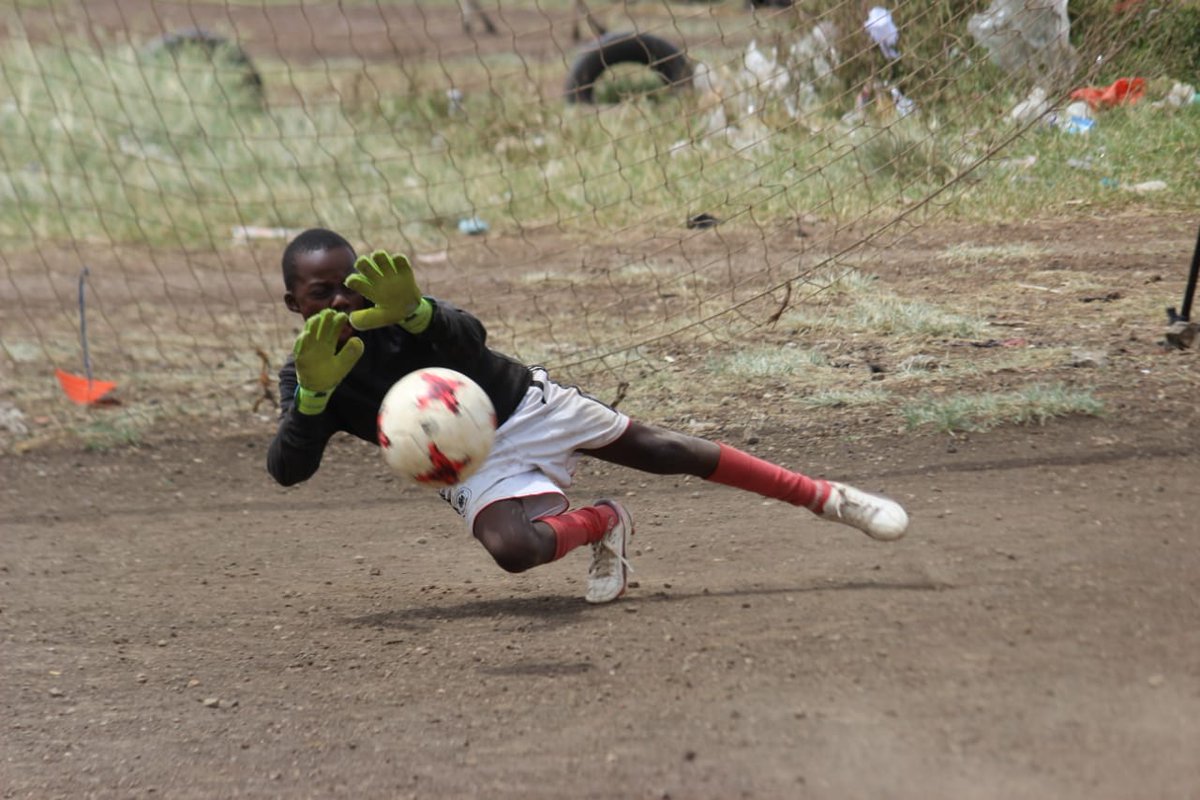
x=620, y=191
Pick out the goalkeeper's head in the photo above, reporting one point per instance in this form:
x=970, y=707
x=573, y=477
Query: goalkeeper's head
x=315, y=266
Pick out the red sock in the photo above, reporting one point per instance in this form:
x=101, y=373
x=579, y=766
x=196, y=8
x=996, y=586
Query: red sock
x=744, y=471
x=579, y=527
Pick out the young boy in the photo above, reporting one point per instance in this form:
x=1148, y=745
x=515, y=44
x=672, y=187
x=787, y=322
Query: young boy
x=367, y=325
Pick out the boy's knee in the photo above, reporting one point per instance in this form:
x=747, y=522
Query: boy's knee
x=512, y=552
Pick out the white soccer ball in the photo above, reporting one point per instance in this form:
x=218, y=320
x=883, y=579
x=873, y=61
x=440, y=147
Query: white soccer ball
x=436, y=426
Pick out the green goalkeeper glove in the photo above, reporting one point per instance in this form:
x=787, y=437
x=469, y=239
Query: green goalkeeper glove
x=320, y=366
x=388, y=282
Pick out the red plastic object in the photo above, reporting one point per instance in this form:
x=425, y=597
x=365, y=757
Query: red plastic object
x=81, y=390
x=1123, y=91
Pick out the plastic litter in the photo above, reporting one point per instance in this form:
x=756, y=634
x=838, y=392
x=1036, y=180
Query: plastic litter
x=12, y=419
x=732, y=97
x=793, y=74
x=874, y=93
x=1074, y=124
x=1180, y=95
x=1123, y=91
x=1076, y=118
x=883, y=31
x=1034, y=105
x=1024, y=162
x=1026, y=36
x=763, y=70
x=473, y=226
x=904, y=105
x=1147, y=186
x=245, y=233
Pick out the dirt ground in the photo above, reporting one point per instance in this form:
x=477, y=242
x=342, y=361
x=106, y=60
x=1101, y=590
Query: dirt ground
x=368, y=31
x=176, y=625
x=173, y=624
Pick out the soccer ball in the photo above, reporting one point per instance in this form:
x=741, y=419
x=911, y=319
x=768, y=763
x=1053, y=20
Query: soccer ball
x=436, y=426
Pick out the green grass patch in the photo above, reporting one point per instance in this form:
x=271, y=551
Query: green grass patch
x=624, y=82
x=848, y=300
x=1032, y=404
x=105, y=146
x=983, y=255
x=99, y=435
x=767, y=362
x=183, y=133
x=112, y=145
x=844, y=398
x=1127, y=148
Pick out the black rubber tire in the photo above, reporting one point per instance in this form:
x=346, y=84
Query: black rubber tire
x=626, y=48
x=210, y=43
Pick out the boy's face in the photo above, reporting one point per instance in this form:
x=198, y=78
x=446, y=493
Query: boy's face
x=319, y=285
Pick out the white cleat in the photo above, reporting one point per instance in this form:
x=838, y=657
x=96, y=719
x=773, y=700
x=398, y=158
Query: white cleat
x=874, y=515
x=609, y=572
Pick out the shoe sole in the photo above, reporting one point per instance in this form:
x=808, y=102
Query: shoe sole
x=627, y=521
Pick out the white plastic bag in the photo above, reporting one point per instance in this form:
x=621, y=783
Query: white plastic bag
x=883, y=31
x=1030, y=36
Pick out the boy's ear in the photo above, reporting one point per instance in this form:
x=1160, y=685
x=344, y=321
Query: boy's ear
x=289, y=300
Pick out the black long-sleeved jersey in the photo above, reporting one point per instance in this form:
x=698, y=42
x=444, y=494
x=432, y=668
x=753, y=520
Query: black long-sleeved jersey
x=454, y=339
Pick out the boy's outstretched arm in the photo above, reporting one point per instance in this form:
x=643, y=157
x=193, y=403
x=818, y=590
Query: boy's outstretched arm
x=388, y=282
x=306, y=383
x=320, y=365
x=295, y=453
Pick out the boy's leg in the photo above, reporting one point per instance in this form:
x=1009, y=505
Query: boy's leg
x=664, y=452
x=875, y=515
x=518, y=543
x=515, y=505
x=607, y=527
x=511, y=538
x=743, y=471
x=608, y=574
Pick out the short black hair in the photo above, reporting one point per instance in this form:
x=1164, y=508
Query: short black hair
x=310, y=241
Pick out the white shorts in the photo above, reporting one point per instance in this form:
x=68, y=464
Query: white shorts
x=537, y=450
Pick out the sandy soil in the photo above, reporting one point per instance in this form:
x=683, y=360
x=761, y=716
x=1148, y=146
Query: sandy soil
x=174, y=625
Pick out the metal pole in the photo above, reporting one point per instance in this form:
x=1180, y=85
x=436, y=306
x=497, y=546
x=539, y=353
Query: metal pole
x=87, y=361
x=1185, y=313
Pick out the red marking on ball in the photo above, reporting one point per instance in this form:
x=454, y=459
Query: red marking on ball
x=384, y=441
x=445, y=470
x=440, y=390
